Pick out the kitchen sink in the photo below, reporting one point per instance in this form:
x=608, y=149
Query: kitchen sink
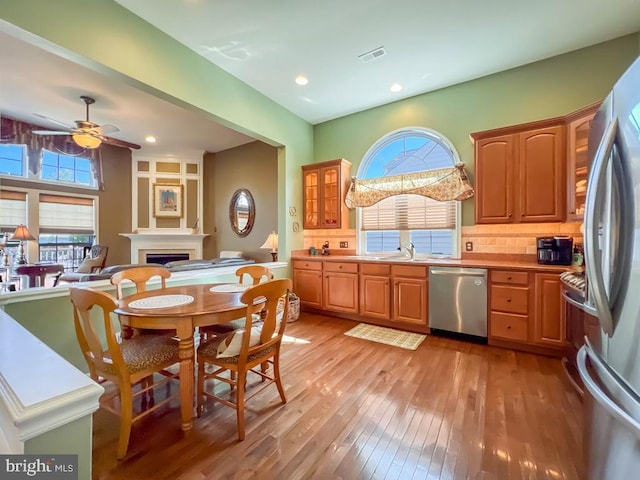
x=388, y=259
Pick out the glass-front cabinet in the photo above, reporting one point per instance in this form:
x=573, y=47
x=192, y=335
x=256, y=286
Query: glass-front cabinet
x=578, y=160
x=325, y=186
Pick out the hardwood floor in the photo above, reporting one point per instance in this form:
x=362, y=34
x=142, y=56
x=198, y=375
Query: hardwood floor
x=363, y=410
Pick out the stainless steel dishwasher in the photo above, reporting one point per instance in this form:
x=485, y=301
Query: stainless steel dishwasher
x=458, y=300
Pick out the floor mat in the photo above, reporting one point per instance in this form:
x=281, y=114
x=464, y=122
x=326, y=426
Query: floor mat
x=388, y=336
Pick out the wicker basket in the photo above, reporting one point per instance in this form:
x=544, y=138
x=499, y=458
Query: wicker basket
x=294, y=307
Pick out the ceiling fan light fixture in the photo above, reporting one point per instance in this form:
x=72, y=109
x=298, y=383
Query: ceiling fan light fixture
x=86, y=141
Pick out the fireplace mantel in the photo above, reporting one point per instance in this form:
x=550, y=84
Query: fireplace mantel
x=160, y=241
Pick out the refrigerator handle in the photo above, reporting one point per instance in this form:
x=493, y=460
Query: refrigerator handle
x=601, y=397
x=593, y=256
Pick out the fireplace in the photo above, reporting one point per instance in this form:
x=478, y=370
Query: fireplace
x=167, y=242
x=163, y=258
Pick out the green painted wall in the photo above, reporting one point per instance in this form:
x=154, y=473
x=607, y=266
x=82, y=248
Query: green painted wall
x=544, y=89
x=72, y=438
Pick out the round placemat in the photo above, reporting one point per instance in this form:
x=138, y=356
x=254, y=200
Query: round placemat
x=161, y=301
x=229, y=288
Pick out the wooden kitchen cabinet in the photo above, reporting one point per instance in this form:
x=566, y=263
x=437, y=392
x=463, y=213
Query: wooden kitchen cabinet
x=520, y=173
x=375, y=290
x=307, y=282
x=495, y=179
x=409, y=295
x=509, y=306
x=525, y=311
x=578, y=125
x=340, y=287
x=541, y=176
x=324, y=188
x=549, y=324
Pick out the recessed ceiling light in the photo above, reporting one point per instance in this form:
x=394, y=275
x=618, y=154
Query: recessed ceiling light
x=302, y=80
x=150, y=139
x=396, y=87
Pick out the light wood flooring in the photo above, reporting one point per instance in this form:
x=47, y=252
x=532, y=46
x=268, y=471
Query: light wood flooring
x=363, y=410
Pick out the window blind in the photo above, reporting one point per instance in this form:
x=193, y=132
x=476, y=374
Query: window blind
x=13, y=210
x=62, y=214
x=409, y=212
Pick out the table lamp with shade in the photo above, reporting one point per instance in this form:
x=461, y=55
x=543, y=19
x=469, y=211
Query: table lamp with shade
x=23, y=235
x=272, y=243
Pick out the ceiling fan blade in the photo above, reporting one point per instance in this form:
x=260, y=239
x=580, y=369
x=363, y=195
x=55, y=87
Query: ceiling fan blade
x=120, y=143
x=65, y=125
x=50, y=132
x=108, y=128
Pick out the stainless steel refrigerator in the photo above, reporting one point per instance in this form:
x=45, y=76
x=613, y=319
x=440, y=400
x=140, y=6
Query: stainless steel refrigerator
x=609, y=362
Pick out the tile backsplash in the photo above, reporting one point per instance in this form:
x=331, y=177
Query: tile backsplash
x=315, y=238
x=517, y=239
x=507, y=239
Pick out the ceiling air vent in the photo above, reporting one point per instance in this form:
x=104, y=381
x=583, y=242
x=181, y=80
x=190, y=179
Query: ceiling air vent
x=372, y=55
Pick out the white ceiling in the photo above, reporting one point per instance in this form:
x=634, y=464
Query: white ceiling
x=429, y=44
x=34, y=81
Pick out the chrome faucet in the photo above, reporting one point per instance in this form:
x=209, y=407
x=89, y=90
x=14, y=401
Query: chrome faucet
x=410, y=249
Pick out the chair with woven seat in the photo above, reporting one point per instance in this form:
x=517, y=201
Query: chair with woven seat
x=139, y=276
x=128, y=364
x=256, y=274
x=241, y=353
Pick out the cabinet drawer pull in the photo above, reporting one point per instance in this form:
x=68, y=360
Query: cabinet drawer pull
x=509, y=277
x=508, y=300
x=508, y=327
x=339, y=266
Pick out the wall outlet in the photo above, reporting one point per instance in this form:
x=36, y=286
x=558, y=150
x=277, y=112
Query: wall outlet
x=344, y=244
x=468, y=246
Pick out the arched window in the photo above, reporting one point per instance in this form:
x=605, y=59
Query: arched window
x=431, y=226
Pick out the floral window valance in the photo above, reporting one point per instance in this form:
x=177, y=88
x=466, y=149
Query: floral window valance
x=17, y=132
x=444, y=185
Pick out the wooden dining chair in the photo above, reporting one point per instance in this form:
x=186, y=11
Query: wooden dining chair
x=128, y=364
x=139, y=276
x=244, y=351
x=256, y=273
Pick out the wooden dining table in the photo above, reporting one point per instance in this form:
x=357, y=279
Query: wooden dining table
x=207, y=308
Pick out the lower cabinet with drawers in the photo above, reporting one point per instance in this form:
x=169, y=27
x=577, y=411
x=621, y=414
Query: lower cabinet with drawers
x=307, y=282
x=340, y=287
x=525, y=311
x=524, y=305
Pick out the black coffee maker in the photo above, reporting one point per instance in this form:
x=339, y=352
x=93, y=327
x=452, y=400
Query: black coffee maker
x=555, y=250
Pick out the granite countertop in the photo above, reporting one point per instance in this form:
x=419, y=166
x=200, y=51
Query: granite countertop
x=516, y=264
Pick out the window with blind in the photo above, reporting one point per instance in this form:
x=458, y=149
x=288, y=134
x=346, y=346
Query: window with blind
x=432, y=226
x=67, y=228
x=13, y=210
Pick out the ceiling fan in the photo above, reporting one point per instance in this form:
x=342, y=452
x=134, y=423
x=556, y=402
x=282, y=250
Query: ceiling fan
x=86, y=133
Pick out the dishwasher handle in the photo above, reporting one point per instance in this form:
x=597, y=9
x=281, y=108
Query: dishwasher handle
x=458, y=272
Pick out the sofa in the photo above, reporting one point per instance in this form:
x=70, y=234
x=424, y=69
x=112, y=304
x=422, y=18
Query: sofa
x=177, y=266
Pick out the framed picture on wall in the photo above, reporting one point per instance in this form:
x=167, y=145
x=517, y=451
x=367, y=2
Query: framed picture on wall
x=167, y=200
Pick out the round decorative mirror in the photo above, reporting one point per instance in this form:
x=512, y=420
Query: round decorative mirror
x=242, y=212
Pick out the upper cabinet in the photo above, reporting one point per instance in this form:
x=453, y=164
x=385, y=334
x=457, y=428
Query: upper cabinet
x=520, y=174
x=578, y=125
x=534, y=172
x=324, y=188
